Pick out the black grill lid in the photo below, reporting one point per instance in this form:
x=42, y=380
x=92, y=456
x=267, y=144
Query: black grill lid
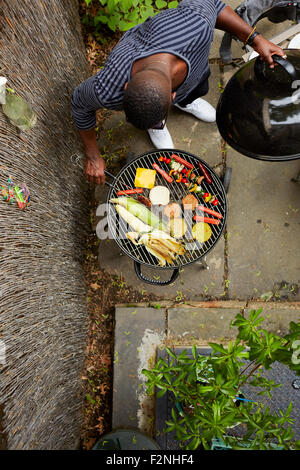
x=258, y=113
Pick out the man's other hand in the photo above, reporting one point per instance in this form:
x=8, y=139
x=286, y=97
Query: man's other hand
x=94, y=169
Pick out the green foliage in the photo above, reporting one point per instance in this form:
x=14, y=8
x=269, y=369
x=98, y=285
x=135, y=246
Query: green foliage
x=121, y=15
x=205, y=388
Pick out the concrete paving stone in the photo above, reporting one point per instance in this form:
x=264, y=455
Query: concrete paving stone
x=138, y=332
x=199, y=325
x=263, y=229
x=188, y=325
x=277, y=315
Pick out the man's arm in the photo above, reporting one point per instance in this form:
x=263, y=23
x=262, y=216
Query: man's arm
x=232, y=23
x=84, y=104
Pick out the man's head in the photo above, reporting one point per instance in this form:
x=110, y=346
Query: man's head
x=147, y=98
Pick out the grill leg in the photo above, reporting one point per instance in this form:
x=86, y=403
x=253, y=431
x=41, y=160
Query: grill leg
x=202, y=263
x=297, y=179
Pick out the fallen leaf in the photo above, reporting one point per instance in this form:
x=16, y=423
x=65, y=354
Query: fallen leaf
x=95, y=286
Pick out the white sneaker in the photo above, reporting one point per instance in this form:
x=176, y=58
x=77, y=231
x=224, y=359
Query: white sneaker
x=201, y=109
x=161, y=138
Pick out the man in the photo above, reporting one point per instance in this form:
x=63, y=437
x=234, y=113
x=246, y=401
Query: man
x=162, y=62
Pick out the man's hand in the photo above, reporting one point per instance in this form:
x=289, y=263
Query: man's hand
x=232, y=23
x=94, y=163
x=94, y=169
x=266, y=49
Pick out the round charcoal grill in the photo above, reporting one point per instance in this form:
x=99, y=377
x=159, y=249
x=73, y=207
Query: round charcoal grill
x=194, y=249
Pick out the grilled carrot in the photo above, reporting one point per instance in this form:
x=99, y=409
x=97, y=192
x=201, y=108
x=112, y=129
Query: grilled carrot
x=162, y=172
x=200, y=218
x=182, y=161
x=130, y=191
x=209, y=211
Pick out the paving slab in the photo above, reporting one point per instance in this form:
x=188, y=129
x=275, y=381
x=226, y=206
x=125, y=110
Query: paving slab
x=141, y=332
x=138, y=333
x=263, y=229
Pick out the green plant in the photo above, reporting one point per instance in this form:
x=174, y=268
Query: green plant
x=122, y=14
x=207, y=388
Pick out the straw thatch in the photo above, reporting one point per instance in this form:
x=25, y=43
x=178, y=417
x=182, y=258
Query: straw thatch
x=43, y=320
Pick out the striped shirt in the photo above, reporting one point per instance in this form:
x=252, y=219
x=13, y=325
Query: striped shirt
x=185, y=31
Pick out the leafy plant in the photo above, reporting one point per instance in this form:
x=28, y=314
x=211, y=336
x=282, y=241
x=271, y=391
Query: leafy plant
x=122, y=15
x=207, y=389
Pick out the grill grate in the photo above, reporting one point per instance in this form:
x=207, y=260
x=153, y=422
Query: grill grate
x=194, y=250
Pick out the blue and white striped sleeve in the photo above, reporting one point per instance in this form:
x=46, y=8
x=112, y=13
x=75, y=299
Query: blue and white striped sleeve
x=219, y=6
x=84, y=103
x=215, y=6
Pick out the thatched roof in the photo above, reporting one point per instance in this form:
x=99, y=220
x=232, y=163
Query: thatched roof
x=42, y=296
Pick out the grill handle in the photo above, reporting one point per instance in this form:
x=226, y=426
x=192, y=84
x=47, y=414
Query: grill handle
x=138, y=271
x=112, y=176
x=259, y=67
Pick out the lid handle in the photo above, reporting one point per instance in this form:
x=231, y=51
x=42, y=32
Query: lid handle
x=288, y=67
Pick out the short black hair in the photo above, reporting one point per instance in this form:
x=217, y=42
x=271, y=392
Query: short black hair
x=145, y=103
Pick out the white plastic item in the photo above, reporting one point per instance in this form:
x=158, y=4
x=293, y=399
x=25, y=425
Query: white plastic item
x=295, y=42
x=3, y=81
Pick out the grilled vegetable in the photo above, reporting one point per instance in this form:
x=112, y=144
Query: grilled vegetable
x=130, y=191
x=200, y=218
x=160, y=195
x=159, y=244
x=178, y=227
x=182, y=161
x=201, y=232
x=139, y=210
x=172, y=210
x=209, y=211
x=205, y=173
x=133, y=221
x=162, y=172
x=144, y=178
x=210, y=198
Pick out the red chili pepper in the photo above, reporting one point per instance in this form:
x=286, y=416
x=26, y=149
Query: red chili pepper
x=216, y=202
x=162, y=172
x=205, y=173
x=209, y=211
x=130, y=191
x=182, y=161
x=200, y=218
